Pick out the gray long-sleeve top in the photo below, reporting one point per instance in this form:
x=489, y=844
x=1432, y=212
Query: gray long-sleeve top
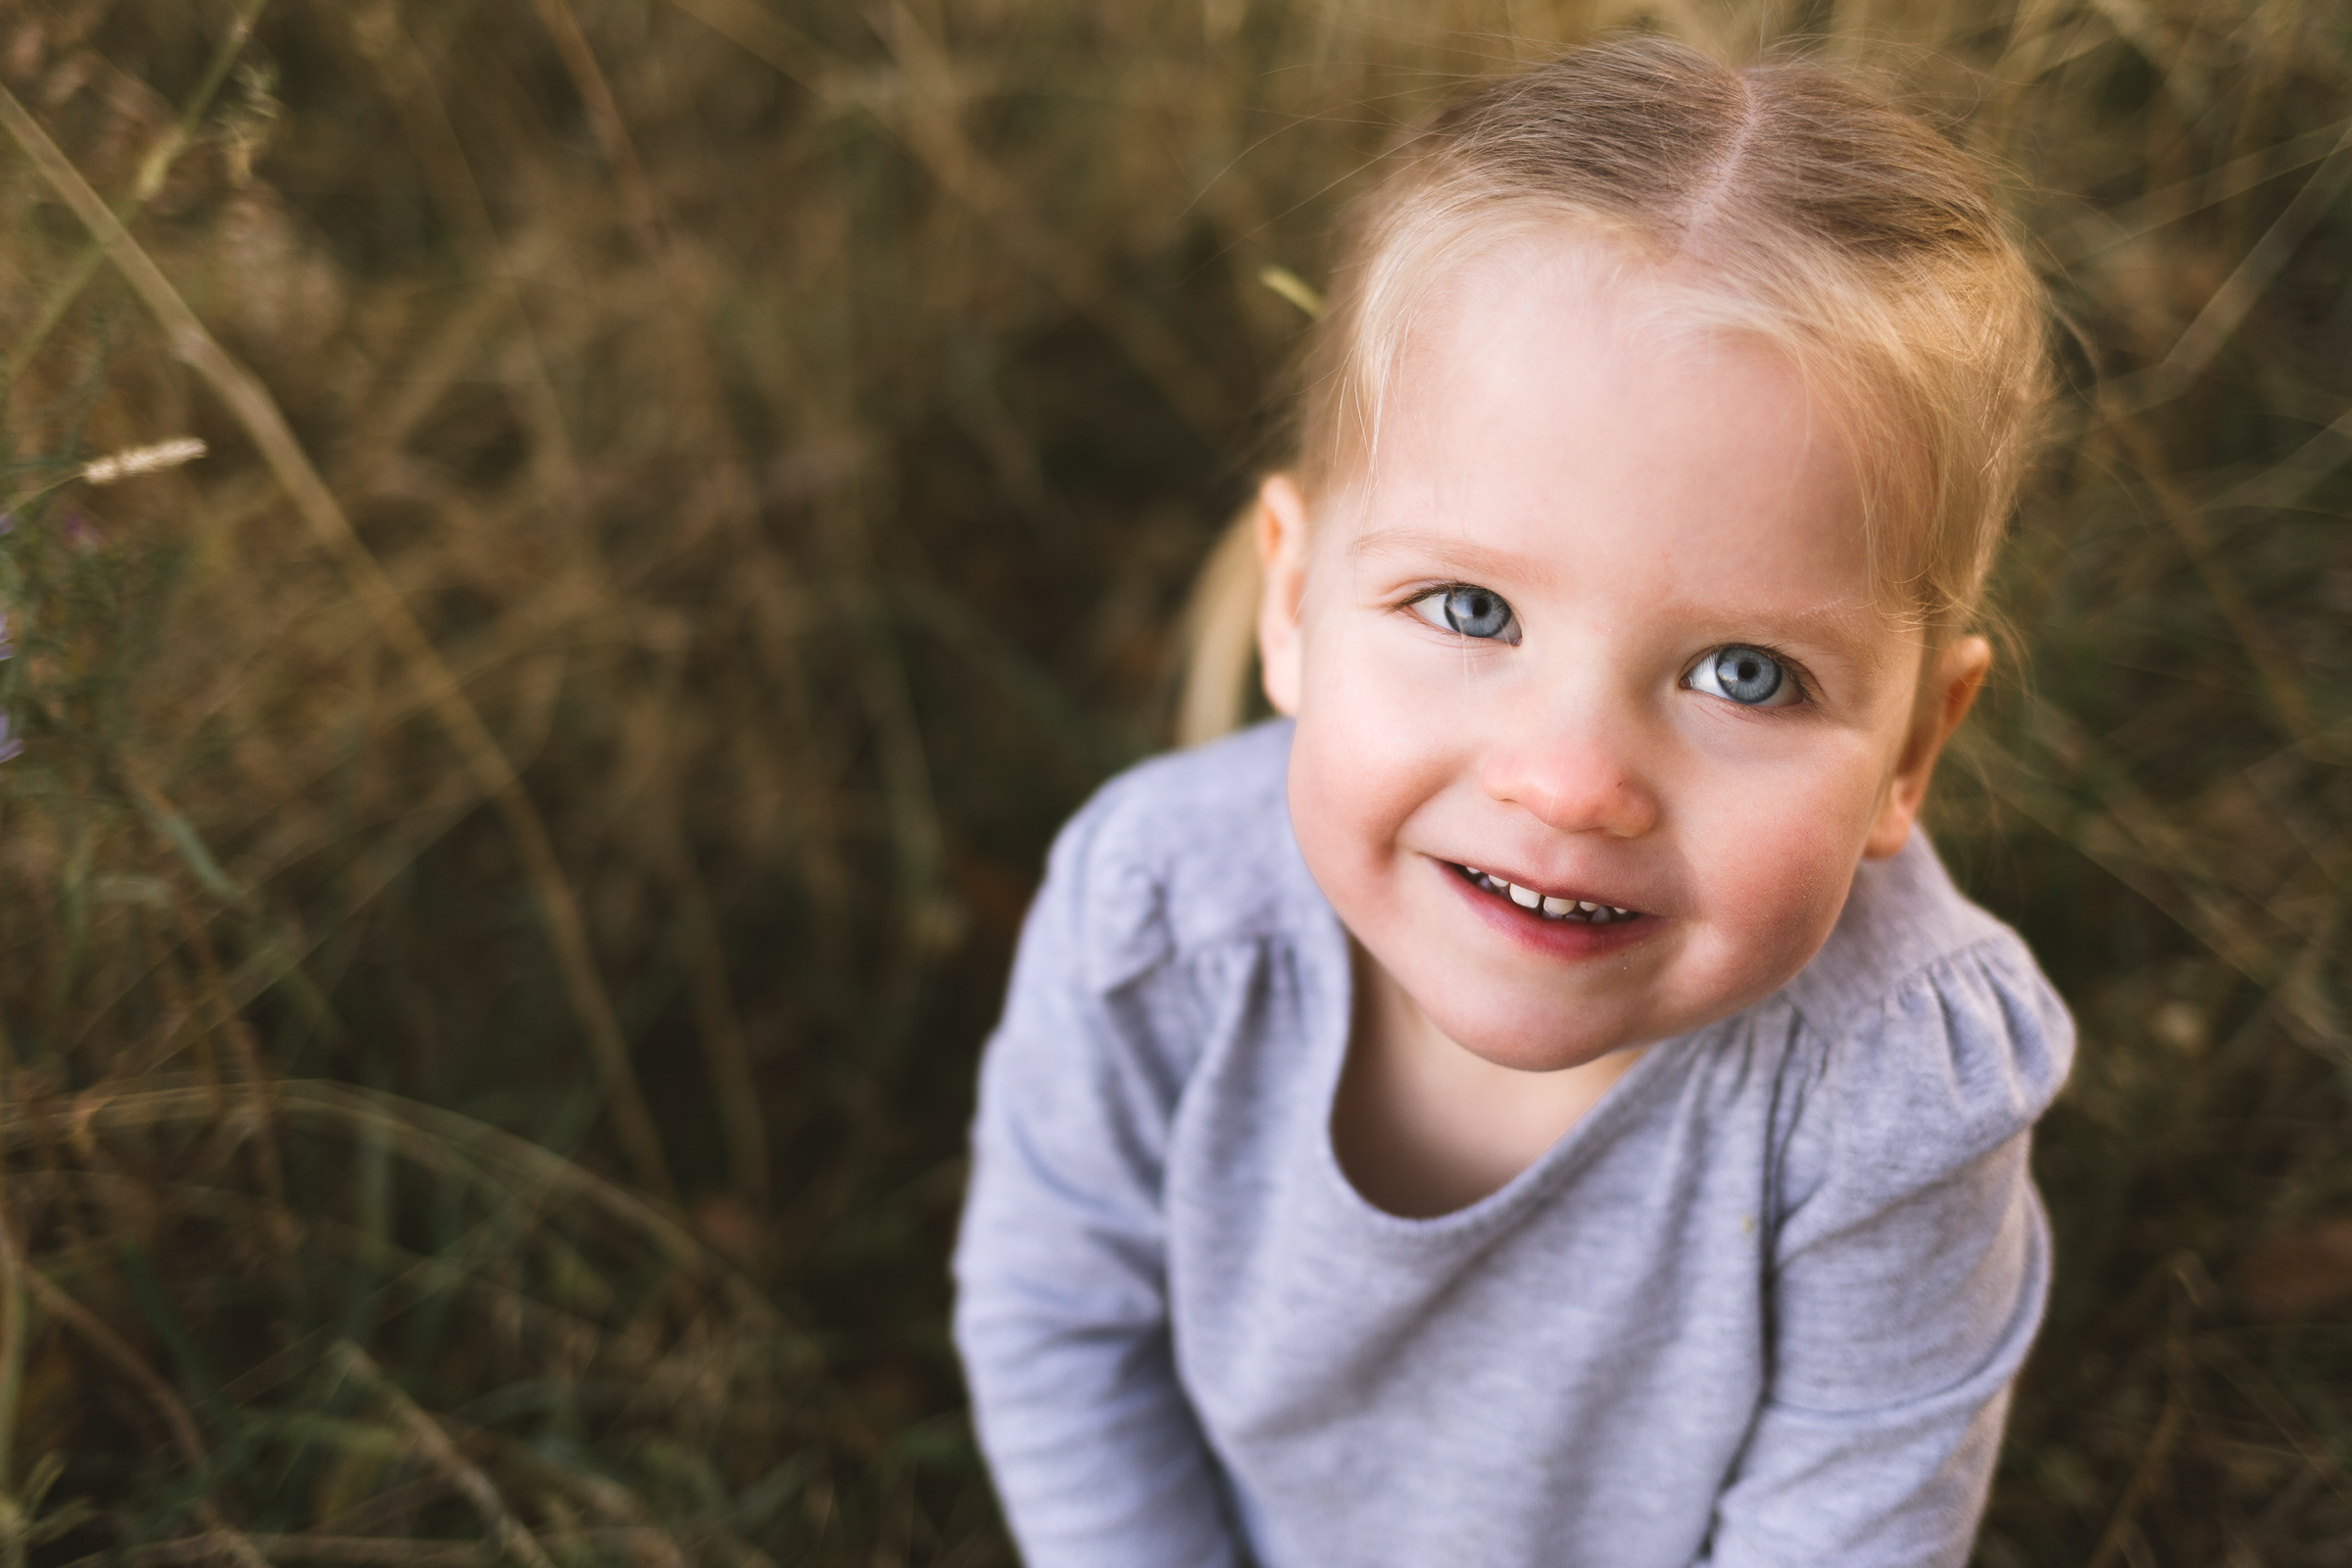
x=1762, y=1304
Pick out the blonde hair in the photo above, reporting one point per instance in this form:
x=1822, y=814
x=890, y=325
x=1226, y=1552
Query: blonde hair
x=1784, y=201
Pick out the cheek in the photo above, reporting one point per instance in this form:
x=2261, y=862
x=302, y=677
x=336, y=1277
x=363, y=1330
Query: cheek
x=1365, y=757
x=1778, y=857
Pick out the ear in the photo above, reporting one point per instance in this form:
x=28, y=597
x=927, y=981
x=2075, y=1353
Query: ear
x=1282, y=554
x=1943, y=701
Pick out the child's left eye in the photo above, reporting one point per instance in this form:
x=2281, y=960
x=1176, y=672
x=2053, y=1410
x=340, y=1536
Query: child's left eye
x=1469, y=610
x=1748, y=677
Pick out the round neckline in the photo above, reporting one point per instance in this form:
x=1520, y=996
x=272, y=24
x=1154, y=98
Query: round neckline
x=1528, y=1184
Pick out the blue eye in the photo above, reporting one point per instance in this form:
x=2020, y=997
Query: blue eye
x=1469, y=610
x=1748, y=677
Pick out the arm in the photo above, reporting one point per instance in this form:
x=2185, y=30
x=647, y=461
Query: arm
x=1061, y=1309
x=1909, y=1275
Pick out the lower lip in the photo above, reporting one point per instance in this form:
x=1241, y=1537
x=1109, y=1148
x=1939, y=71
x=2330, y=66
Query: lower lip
x=1560, y=938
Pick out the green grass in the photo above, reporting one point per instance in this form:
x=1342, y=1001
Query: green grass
x=515, y=851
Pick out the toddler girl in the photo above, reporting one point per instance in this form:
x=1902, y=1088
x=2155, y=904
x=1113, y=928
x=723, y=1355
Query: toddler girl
x=1538, y=1101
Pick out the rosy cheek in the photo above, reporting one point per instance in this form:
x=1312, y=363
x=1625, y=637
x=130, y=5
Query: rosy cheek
x=1353, y=789
x=1327, y=812
x=1777, y=877
x=1365, y=746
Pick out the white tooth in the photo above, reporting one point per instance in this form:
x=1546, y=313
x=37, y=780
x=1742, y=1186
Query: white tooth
x=1473, y=872
x=1622, y=914
x=1587, y=905
x=1599, y=917
x=1525, y=897
x=1555, y=907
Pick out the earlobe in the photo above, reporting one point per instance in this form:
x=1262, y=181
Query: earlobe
x=1282, y=554
x=1943, y=701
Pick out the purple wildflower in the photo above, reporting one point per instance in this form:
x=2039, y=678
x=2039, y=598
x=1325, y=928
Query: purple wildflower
x=9, y=746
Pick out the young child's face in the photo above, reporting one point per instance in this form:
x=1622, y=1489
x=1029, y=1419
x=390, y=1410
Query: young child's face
x=1594, y=620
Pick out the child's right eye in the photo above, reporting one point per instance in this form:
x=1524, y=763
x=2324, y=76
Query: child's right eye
x=1469, y=610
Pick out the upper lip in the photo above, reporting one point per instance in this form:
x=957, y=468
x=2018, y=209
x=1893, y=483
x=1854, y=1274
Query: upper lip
x=1550, y=889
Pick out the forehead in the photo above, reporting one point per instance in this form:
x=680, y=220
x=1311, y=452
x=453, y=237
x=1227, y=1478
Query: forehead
x=1556, y=403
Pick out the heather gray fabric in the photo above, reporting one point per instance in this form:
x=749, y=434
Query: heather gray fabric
x=1762, y=1305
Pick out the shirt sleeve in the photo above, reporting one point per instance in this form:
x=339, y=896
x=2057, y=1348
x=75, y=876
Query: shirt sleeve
x=1062, y=1313
x=1909, y=1273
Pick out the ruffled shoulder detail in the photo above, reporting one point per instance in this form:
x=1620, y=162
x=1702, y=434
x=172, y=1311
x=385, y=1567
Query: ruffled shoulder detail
x=1902, y=914
x=1180, y=852
x=1939, y=1038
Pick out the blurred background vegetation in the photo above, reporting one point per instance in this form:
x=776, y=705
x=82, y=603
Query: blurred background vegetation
x=505, y=863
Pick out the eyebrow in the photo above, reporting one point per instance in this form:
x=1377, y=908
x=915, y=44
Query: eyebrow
x=1842, y=623
x=1451, y=548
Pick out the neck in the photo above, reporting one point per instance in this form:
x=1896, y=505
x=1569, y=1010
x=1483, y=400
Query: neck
x=1424, y=1126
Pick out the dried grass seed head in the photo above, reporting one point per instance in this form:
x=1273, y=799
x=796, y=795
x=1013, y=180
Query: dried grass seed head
x=133, y=462
x=1788, y=202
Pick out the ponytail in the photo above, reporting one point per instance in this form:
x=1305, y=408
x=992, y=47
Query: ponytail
x=1218, y=636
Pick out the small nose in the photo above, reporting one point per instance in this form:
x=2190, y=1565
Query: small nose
x=1574, y=779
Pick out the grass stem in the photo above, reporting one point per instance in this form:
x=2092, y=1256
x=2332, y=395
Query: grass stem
x=257, y=413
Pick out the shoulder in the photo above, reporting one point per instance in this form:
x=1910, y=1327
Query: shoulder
x=1941, y=1037
x=1904, y=916
x=1181, y=851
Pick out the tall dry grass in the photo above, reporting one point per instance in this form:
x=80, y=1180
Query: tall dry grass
x=512, y=852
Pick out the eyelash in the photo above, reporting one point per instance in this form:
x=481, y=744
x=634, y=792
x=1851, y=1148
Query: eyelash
x=1439, y=591
x=1795, y=672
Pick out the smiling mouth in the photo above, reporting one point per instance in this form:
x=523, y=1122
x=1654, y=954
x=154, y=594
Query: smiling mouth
x=1549, y=905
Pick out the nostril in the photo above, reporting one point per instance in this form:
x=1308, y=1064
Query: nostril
x=1571, y=793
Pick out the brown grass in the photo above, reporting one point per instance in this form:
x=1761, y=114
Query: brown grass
x=515, y=851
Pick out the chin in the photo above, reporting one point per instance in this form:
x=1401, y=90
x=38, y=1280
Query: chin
x=1536, y=1043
